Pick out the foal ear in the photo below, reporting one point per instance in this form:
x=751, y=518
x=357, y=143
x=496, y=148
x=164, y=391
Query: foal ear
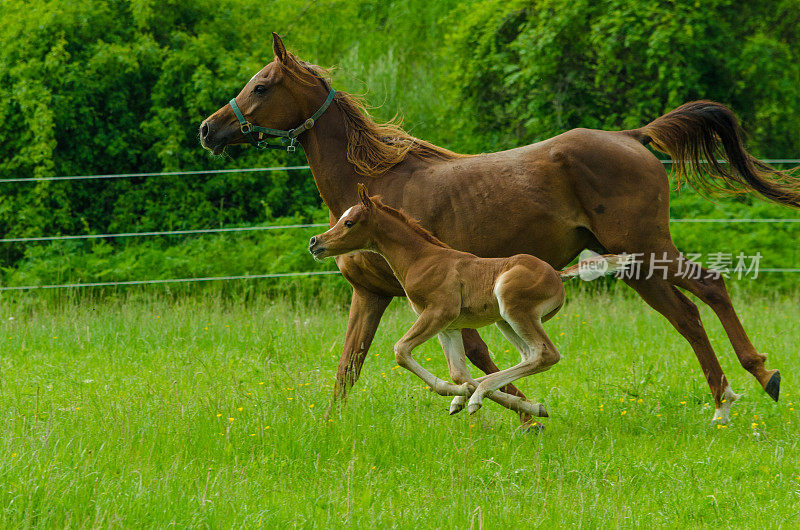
x=363, y=196
x=278, y=47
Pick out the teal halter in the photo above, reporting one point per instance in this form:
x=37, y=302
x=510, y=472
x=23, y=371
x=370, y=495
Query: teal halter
x=291, y=135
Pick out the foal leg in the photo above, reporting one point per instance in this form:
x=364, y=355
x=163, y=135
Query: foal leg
x=453, y=347
x=537, y=351
x=478, y=353
x=428, y=324
x=454, y=351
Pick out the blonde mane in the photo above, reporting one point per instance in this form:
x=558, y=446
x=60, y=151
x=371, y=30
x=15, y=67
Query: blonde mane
x=413, y=223
x=372, y=147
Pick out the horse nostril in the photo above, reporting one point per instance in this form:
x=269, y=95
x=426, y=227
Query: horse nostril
x=312, y=241
x=204, y=129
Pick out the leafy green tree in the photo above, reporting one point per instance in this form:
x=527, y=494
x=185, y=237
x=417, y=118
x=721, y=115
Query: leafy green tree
x=530, y=70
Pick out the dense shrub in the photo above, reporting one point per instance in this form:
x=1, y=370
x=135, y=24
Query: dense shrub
x=529, y=70
x=111, y=86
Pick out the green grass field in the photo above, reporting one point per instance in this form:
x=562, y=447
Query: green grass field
x=200, y=411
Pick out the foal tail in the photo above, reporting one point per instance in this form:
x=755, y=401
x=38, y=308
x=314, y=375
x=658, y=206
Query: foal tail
x=596, y=266
x=699, y=133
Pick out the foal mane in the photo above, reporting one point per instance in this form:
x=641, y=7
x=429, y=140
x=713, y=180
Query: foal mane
x=372, y=147
x=413, y=223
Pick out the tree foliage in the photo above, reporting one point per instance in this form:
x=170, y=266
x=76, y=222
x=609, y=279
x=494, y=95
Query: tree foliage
x=529, y=70
x=118, y=86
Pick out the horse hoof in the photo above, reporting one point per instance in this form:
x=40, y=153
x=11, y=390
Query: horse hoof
x=719, y=420
x=773, y=387
x=473, y=408
x=535, y=409
x=455, y=408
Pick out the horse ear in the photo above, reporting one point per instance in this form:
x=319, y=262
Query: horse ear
x=278, y=47
x=364, y=196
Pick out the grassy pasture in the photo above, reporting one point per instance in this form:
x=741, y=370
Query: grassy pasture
x=203, y=411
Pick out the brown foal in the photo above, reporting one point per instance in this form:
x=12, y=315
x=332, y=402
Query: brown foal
x=451, y=290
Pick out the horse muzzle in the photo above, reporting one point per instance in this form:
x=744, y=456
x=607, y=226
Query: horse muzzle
x=210, y=138
x=219, y=130
x=317, y=248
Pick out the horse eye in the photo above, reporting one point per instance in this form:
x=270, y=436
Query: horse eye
x=348, y=224
x=260, y=89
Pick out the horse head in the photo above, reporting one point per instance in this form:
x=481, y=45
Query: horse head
x=276, y=102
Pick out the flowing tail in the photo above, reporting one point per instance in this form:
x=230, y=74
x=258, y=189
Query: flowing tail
x=596, y=266
x=697, y=134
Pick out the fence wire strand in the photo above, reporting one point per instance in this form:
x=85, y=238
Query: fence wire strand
x=164, y=233
x=259, y=228
x=169, y=280
x=154, y=174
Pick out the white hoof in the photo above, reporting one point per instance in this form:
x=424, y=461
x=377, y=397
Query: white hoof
x=722, y=413
x=534, y=409
x=474, y=407
x=457, y=405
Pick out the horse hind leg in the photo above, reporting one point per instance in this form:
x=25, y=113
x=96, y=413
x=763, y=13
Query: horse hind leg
x=536, y=350
x=709, y=287
x=685, y=318
x=478, y=353
x=453, y=347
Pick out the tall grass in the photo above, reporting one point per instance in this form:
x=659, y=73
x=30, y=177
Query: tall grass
x=206, y=410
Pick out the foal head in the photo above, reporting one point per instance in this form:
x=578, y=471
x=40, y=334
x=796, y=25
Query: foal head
x=352, y=232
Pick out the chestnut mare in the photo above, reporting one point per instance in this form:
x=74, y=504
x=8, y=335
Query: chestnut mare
x=601, y=190
x=452, y=290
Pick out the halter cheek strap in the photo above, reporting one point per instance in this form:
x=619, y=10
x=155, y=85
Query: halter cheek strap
x=248, y=129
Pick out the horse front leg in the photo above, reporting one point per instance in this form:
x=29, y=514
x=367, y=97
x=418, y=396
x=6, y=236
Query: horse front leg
x=366, y=310
x=428, y=324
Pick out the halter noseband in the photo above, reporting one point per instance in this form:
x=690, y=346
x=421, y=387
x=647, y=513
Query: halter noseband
x=291, y=135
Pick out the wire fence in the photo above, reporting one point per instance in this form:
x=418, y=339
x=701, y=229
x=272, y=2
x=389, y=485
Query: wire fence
x=170, y=280
x=259, y=228
x=158, y=174
x=164, y=233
